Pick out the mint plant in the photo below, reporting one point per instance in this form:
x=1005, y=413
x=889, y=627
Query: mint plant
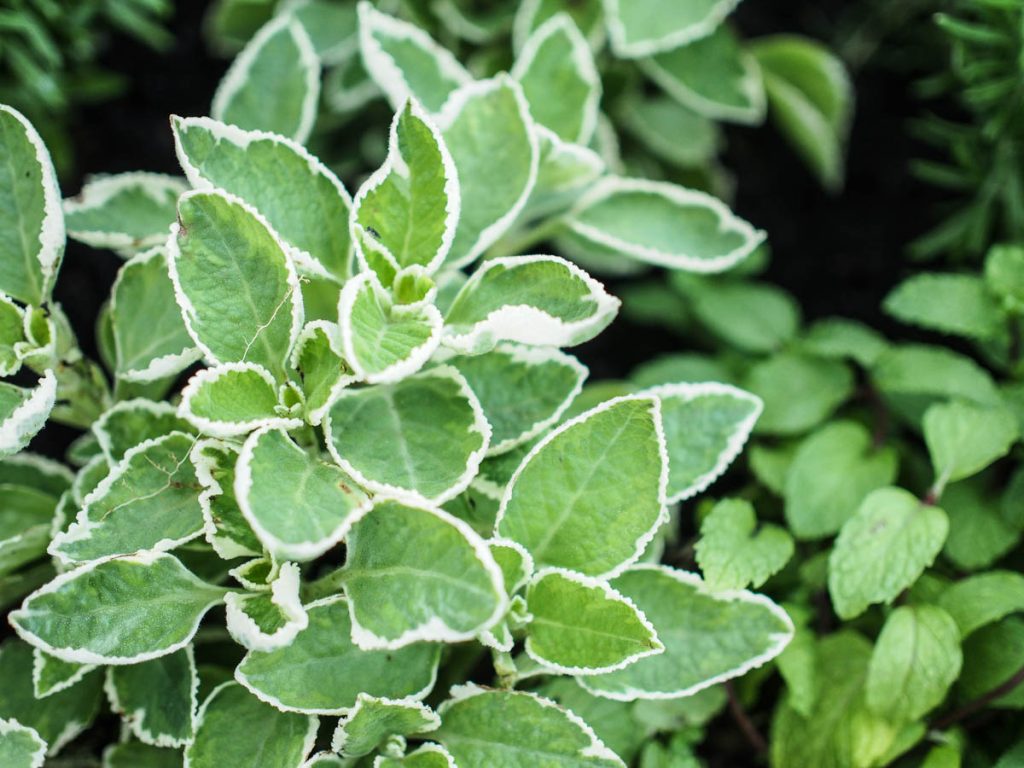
x=346, y=488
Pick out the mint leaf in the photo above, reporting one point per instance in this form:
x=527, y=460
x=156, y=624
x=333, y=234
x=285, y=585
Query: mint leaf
x=950, y=303
x=963, y=439
x=799, y=392
x=732, y=555
x=982, y=599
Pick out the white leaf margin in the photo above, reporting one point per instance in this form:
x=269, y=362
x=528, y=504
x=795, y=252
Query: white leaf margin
x=527, y=324
x=382, y=761
x=580, y=55
x=284, y=593
x=659, y=431
x=99, y=427
x=97, y=192
x=382, y=67
x=595, y=749
x=340, y=736
x=435, y=629
x=39, y=661
x=29, y=417
x=38, y=757
x=229, y=429
x=411, y=496
x=134, y=718
x=523, y=22
x=779, y=642
x=333, y=334
x=238, y=73
x=612, y=595
x=83, y=656
x=625, y=49
x=688, y=392
x=225, y=547
x=728, y=222
x=281, y=550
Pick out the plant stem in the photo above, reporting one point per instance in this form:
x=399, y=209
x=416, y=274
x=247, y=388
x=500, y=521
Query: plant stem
x=739, y=714
x=979, y=703
x=325, y=586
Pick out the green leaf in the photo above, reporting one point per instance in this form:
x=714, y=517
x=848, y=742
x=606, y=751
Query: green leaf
x=233, y=399
x=564, y=171
x=706, y=426
x=298, y=505
x=799, y=392
x=658, y=120
x=150, y=500
x=31, y=220
x=581, y=626
x=732, y=555
x=406, y=62
x=536, y=300
x=12, y=336
x=127, y=212
x=1004, y=266
x=318, y=358
x=560, y=81
x=643, y=27
x=20, y=746
x=838, y=337
x=708, y=637
x=418, y=574
x=332, y=28
x=35, y=471
x=832, y=471
x=840, y=730
x=119, y=610
x=26, y=520
x=811, y=101
x=421, y=437
x=130, y=422
x=927, y=371
x=957, y=304
x=224, y=526
x=591, y=494
x=272, y=738
x=157, y=699
x=514, y=561
x=755, y=317
x=963, y=439
x=979, y=600
x=485, y=728
x=713, y=76
x=883, y=549
x=58, y=718
x=270, y=173
x=274, y=83
x=235, y=284
x=384, y=341
x=50, y=675
x=523, y=390
x=979, y=533
x=915, y=661
x=132, y=754
x=992, y=656
x=323, y=672
x=267, y=621
x=23, y=412
x=150, y=338
x=490, y=134
x=409, y=208
x=373, y=720
x=663, y=224
x=587, y=14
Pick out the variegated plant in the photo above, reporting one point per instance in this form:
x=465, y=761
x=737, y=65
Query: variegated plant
x=383, y=471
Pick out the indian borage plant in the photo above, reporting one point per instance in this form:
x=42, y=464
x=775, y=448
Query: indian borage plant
x=357, y=392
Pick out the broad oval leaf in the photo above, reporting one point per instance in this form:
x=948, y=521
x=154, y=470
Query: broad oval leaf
x=663, y=224
x=883, y=549
x=323, y=672
x=588, y=15
x=963, y=438
x=20, y=746
x=643, y=27
x=157, y=698
x=273, y=84
x=418, y=574
x=385, y=341
x=129, y=423
x=150, y=338
x=298, y=505
x=560, y=80
x=984, y=598
x=410, y=206
x=272, y=738
x=949, y=303
x=235, y=284
x=537, y=300
x=23, y=412
x=712, y=76
x=373, y=720
x=490, y=135
x=406, y=62
x=31, y=220
x=522, y=390
x=706, y=427
x=422, y=437
x=485, y=728
x=127, y=212
x=708, y=637
x=590, y=495
x=581, y=626
x=150, y=500
x=118, y=610
x=233, y=399
x=271, y=172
